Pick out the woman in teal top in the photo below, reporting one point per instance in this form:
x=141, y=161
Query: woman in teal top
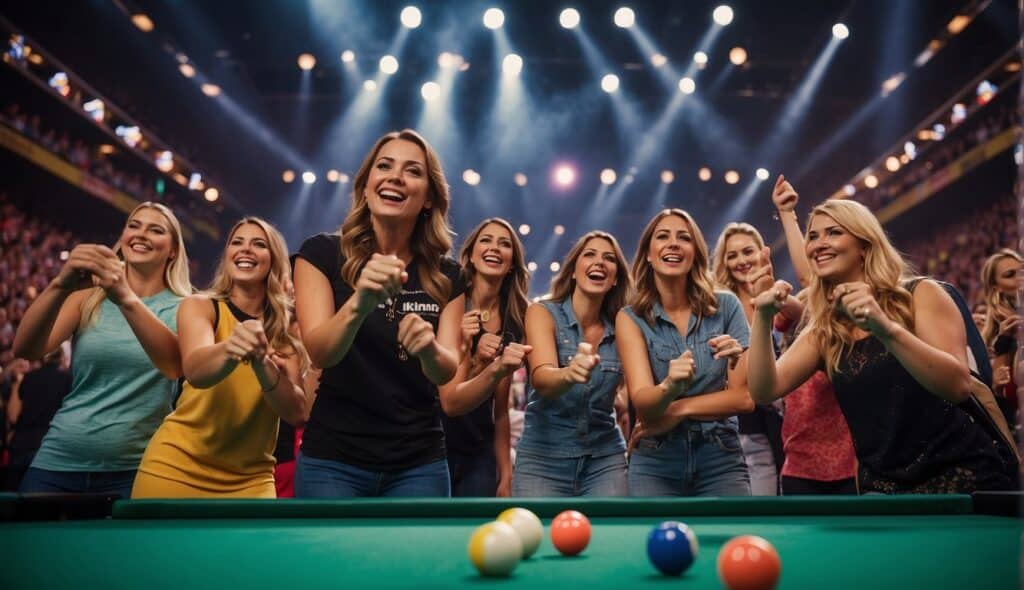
x=571, y=444
x=119, y=306
x=673, y=340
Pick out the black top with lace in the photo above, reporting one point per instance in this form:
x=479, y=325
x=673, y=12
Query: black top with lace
x=907, y=439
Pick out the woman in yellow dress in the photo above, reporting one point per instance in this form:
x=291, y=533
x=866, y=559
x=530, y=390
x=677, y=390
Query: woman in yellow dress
x=243, y=371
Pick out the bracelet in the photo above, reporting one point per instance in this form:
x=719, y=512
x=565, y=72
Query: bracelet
x=276, y=383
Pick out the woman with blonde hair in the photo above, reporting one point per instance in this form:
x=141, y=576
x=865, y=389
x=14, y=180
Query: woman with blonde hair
x=374, y=307
x=675, y=341
x=119, y=305
x=243, y=370
x=1001, y=279
x=477, y=434
x=571, y=443
x=898, y=365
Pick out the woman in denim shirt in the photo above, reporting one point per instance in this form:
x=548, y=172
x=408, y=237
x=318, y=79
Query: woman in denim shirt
x=571, y=444
x=673, y=341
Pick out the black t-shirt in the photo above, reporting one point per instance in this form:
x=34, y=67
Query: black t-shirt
x=41, y=393
x=373, y=409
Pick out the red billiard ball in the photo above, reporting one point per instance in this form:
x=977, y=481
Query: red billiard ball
x=749, y=563
x=570, y=532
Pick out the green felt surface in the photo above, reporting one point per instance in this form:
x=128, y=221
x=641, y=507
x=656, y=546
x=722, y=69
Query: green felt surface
x=864, y=543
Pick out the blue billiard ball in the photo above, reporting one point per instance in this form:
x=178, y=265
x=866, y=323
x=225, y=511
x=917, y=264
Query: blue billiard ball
x=672, y=547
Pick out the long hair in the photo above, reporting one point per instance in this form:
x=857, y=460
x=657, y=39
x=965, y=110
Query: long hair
x=515, y=285
x=176, y=277
x=563, y=283
x=885, y=271
x=431, y=238
x=999, y=305
x=278, y=305
x=724, y=278
x=700, y=290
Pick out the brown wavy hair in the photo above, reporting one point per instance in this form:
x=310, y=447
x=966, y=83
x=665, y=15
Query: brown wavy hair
x=700, y=290
x=723, y=278
x=431, y=238
x=515, y=285
x=999, y=305
x=884, y=270
x=563, y=284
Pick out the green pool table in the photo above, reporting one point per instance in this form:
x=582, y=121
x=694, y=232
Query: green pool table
x=837, y=542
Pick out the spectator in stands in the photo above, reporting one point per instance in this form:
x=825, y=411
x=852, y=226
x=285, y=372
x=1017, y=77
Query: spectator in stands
x=34, y=401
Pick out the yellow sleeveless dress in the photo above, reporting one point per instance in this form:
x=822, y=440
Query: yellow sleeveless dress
x=218, y=442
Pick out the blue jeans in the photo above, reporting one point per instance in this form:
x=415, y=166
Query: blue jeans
x=687, y=462
x=473, y=474
x=536, y=475
x=323, y=478
x=78, y=482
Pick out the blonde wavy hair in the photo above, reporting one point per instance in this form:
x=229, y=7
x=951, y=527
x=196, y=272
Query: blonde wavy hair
x=563, y=284
x=700, y=289
x=885, y=272
x=279, y=303
x=999, y=305
x=431, y=238
x=176, y=277
x=515, y=285
x=724, y=278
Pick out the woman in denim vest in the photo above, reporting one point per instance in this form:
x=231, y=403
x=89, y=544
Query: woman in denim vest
x=674, y=341
x=571, y=444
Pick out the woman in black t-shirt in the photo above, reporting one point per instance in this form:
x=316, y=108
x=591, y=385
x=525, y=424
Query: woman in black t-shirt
x=477, y=430
x=373, y=303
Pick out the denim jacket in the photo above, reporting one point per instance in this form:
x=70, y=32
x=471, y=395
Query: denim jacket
x=581, y=421
x=664, y=343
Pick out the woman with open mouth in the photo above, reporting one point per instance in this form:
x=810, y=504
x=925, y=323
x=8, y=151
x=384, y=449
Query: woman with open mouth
x=243, y=371
x=373, y=302
x=119, y=306
x=571, y=444
x=681, y=344
x=477, y=432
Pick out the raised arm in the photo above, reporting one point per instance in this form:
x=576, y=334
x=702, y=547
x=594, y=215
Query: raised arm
x=769, y=380
x=785, y=199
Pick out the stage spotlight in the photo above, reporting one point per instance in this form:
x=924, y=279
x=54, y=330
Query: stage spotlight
x=96, y=109
x=569, y=18
x=142, y=22
x=850, y=190
x=700, y=58
x=762, y=174
x=106, y=148
x=687, y=85
x=910, y=150
x=187, y=70
x=871, y=181
x=738, y=56
x=564, y=175
x=389, y=64
x=210, y=90
x=658, y=60
x=369, y=85
x=704, y=174
x=431, y=91
x=524, y=230
x=610, y=83
x=625, y=17
x=211, y=194
x=555, y=266
x=840, y=31
x=732, y=177
x=348, y=56
x=520, y=179
x=531, y=266
x=471, y=177
x=333, y=175
x=892, y=163
x=165, y=161
x=608, y=176
x=667, y=177
x=494, y=18
x=722, y=15
x=308, y=177
x=559, y=229
x=512, y=64
x=288, y=176
x=411, y=17
x=343, y=178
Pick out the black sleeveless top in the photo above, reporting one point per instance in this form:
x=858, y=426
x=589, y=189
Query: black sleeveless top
x=907, y=439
